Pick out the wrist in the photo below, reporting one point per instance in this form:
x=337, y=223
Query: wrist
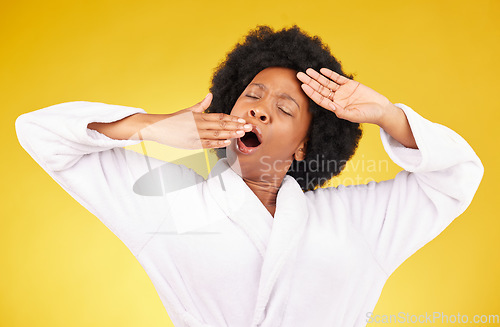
x=390, y=114
x=145, y=125
x=396, y=124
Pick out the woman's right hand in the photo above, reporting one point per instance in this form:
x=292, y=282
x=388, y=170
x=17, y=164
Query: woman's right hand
x=191, y=128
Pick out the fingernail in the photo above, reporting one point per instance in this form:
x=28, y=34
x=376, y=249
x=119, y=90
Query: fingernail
x=240, y=132
x=331, y=106
x=241, y=120
x=248, y=126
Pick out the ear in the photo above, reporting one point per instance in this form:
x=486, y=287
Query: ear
x=300, y=152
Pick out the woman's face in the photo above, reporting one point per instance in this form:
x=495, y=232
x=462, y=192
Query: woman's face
x=278, y=108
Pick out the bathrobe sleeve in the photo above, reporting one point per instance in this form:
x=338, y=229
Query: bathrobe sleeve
x=95, y=169
x=397, y=217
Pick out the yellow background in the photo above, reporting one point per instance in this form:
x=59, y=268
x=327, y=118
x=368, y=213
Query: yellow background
x=60, y=266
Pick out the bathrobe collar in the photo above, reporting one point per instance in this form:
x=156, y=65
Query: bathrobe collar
x=275, y=239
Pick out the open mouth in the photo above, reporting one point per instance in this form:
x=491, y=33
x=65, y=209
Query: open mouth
x=250, y=141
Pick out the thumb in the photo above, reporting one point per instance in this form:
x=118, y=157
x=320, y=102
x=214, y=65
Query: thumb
x=204, y=104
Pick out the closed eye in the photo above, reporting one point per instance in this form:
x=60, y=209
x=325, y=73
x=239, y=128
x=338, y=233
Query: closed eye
x=284, y=111
x=280, y=108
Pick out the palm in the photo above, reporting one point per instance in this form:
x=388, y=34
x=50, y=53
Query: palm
x=347, y=98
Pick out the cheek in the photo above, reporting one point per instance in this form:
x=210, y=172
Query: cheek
x=288, y=135
x=238, y=108
x=292, y=134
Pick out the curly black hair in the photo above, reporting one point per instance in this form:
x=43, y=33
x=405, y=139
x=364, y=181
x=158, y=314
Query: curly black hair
x=332, y=141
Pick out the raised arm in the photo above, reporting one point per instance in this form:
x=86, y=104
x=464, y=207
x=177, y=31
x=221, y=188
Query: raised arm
x=190, y=128
x=80, y=145
x=441, y=174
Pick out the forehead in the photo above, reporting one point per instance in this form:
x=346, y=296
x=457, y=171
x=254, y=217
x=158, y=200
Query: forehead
x=280, y=80
x=277, y=75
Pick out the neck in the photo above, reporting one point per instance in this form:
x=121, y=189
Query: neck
x=266, y=191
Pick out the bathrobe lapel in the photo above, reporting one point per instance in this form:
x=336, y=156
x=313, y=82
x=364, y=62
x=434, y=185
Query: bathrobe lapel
x=289, y=224
x=240, y=204
x=277, y=242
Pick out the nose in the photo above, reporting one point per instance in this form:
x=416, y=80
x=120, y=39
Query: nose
x=259, y=114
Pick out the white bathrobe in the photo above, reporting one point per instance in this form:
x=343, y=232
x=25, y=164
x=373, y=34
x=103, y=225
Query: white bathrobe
x=215, y=254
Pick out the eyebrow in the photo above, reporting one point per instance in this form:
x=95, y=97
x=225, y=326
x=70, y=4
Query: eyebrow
x=282, y=95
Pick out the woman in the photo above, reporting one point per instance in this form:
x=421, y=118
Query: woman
x=258, y=243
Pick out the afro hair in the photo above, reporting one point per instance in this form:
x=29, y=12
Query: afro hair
x=332, y=141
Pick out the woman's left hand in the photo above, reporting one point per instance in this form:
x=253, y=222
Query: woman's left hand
x=348, y=99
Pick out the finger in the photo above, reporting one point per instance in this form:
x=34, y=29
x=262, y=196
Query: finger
x=322, y=80
x=306, y=79
x=211, y=143
x=321, y=100
x=219, y=116
x=203, y=104
x=337, y=78
x=322, y=90
x=223, y=125
x=220, y=134
x=316, y=96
